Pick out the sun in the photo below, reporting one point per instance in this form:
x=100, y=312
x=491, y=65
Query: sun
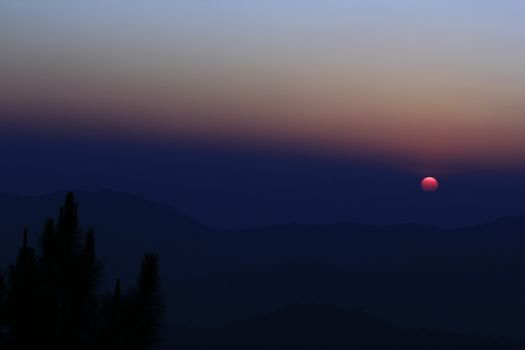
x=429, y=184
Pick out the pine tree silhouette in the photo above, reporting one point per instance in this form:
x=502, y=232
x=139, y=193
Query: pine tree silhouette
x=69, y=276
x=148, y=300
x=51, y=301
x=89, y=279
x=2, y=298
x=22, y=299
x=115, y=330
x=2, y=310
x=135, y=316
x=49, y=283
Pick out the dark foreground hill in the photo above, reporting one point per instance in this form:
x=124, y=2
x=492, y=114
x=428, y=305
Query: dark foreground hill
x=326, y=327
x=468, y=280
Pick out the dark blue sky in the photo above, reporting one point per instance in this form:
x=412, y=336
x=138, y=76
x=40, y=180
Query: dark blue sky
x=236, y=186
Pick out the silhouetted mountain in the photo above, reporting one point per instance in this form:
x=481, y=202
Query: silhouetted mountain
x=468, y=279
x=325, y=327
x=117, y=217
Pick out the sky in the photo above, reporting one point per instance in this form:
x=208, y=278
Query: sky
x=429, y=82
x=190, y=102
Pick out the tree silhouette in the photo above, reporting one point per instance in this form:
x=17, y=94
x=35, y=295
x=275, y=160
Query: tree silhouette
x=2, y=297
x=144, y=304
x=51, y=301
x=22, y=298
x=2, y=310
x=134, y=317
x=113, y=336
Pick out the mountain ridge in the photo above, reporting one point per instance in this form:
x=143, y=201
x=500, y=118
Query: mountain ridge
x=120, y=195
x=437, y=277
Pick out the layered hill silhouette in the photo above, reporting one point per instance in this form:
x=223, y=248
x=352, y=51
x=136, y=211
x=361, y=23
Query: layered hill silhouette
x=468, y=280
x=326, y=327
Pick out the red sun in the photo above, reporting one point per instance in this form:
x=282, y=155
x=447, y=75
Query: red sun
x=429, y=184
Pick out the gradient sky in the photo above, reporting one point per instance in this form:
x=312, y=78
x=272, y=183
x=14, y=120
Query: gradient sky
x=428, y=83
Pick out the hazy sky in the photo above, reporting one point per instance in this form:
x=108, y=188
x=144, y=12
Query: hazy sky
x=429, y=82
